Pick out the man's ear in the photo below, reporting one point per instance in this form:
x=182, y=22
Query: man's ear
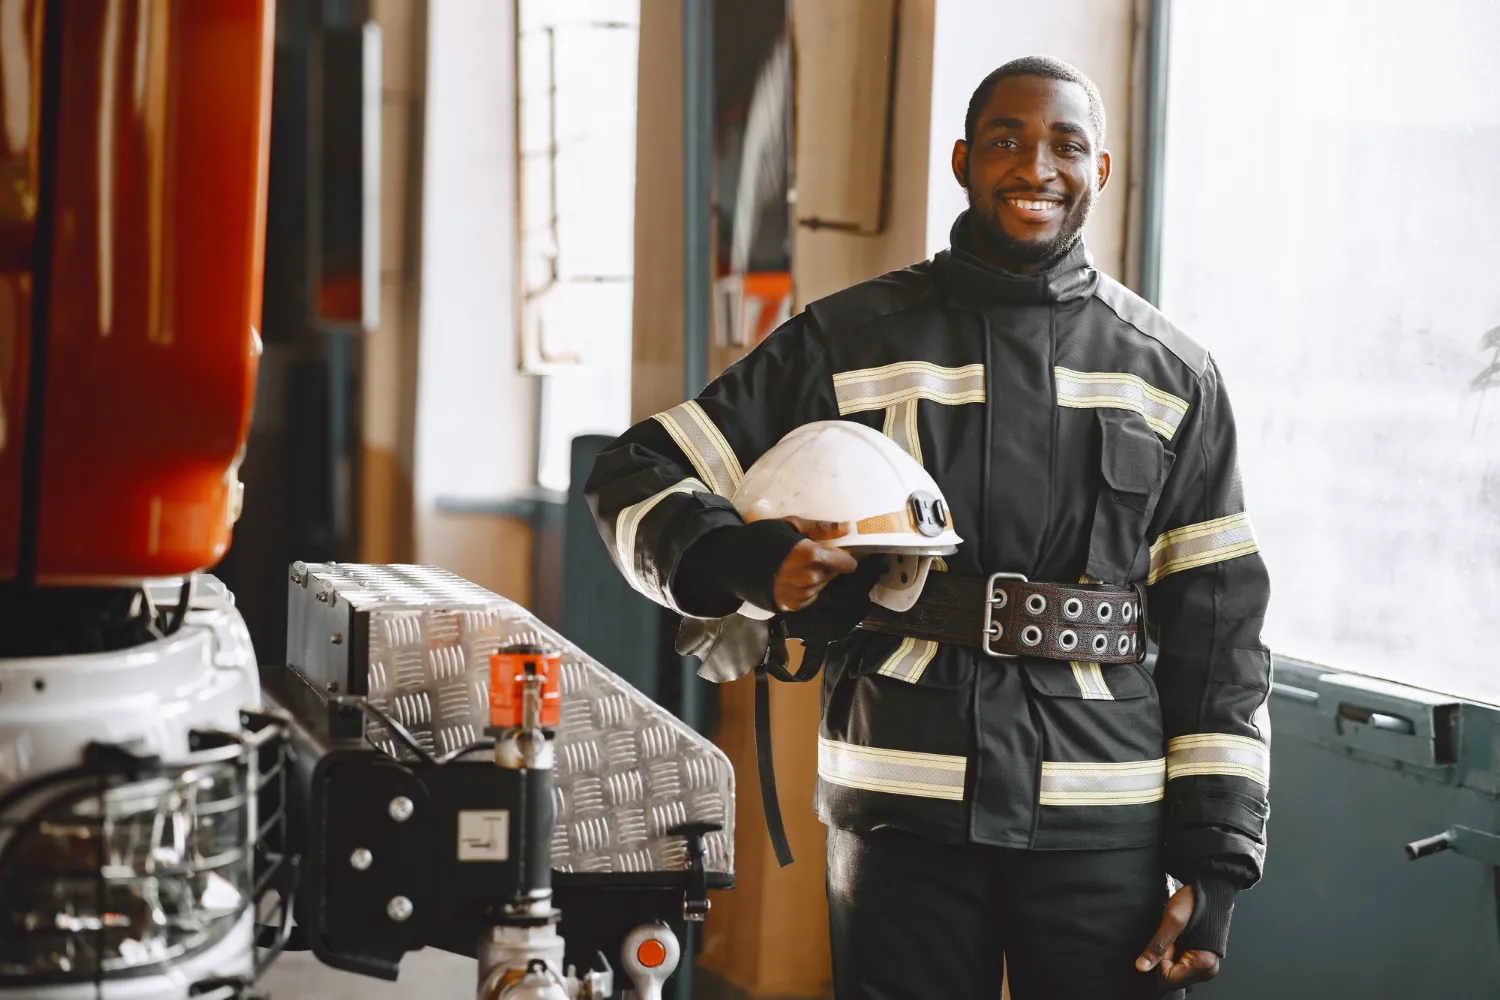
x=961, y=162
x=1103, y=170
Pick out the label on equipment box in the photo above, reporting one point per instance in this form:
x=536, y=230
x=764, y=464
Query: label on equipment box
x=483, y=834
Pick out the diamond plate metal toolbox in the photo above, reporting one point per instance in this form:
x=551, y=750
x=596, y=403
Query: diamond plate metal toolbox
x=416, y=641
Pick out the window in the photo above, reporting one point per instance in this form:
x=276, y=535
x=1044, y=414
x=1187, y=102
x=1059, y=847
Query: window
x=1330, y=233
x=577, y=83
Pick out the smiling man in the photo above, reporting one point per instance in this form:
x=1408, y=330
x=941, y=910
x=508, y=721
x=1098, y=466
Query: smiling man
x=1007, y=779
x=1031, y=181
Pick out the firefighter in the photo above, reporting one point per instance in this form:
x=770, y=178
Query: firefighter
x=1007, y=780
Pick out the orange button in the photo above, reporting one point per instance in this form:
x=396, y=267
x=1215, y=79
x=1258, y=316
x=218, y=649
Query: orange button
x=651, y=953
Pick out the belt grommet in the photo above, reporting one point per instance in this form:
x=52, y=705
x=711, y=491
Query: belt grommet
x=1104, y=612
x=996, y=630
x=999, y=598
x=1124, y=645
x=1036, y=604
x=1031, y=635
x=1101, y=643
x=1072, y=608
x=1127, y=612
x=1067, y=639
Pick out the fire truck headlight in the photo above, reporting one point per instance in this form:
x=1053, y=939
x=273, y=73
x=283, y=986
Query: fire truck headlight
x=100, y=881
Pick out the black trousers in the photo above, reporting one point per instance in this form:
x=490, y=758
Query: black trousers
x=913, y=919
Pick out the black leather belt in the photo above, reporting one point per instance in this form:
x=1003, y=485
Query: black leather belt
x=1006, y=615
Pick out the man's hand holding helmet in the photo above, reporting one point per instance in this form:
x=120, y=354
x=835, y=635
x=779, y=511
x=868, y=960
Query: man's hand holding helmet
x=811, y=565
x=867, y=500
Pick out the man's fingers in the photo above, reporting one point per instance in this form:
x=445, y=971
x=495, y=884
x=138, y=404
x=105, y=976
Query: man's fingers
x=1157, y=949
x=814, y=573
x=807, y=589
x=809, y=583
x=1168, y=962
x=789, y=598
x=810, y=566
x=836, y=561
x=1179, y=910
x=818, y=531
x=798, y=594
x=1193, y=967
x=812, y=563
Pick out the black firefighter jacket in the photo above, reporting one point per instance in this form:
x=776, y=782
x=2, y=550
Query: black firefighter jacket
x=1076, y=436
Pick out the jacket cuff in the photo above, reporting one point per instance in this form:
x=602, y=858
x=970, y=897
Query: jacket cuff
x=732, y=564
x=1213, y=906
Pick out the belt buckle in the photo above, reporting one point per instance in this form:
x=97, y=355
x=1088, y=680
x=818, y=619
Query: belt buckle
x=993, y=629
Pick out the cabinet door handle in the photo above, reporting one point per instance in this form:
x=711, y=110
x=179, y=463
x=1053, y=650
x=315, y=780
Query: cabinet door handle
x=1428, y=846
x=1377, y=720
x=1476, y=845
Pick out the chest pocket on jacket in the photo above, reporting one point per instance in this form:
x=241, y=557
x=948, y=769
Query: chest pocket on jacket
x=1134, y=465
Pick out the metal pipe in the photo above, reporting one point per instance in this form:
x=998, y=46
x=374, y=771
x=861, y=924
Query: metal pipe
x=697, y=277
x=697, y=285
x=697, y=151
x=1155, y=148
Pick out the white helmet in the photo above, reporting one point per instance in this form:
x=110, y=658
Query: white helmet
x=838, y=470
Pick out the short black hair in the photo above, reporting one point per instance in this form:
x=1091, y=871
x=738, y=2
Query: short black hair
x=1045, y=66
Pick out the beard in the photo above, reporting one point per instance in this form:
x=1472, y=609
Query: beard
x=1030, y=255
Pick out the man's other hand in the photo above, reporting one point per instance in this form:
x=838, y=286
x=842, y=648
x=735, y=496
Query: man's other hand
x=1175, y=972
x=810, y=565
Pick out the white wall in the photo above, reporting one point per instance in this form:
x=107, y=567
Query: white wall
x=975, y=36
x=476, y=414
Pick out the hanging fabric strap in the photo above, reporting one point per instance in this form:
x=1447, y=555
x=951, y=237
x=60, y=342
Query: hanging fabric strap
x=829, y=619
x=767, y=768
x=773, y=664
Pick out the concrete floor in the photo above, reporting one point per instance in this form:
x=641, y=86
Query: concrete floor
x=425, y=975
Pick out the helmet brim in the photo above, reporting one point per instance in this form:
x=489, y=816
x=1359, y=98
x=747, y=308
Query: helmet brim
x=907, y=544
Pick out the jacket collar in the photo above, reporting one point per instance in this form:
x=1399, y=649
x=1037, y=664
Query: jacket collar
x=970, y=282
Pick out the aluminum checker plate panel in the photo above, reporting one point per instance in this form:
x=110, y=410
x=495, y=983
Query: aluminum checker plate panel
x=627, y=769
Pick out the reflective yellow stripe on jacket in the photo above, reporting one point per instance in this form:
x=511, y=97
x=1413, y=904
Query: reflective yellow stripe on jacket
x=901, y=427
x=1120, y=390
x=910, y=659
x=1090, y=678
x=1217, y=753
x=897, y=772
x=1200, y=544
x=876, y=388
x=704, y=446
x=897, y=388
x=1126, y=784
x=628, y=524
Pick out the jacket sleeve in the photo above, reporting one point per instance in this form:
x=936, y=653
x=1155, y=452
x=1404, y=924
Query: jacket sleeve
x=1207, y=596
x=668, y=481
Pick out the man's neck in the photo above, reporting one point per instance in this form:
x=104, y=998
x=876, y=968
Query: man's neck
x=1000, y=260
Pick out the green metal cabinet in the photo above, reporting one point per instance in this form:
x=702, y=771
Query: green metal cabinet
x=1359, y=769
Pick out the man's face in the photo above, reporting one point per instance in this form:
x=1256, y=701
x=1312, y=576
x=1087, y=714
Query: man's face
x=1032, y=172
